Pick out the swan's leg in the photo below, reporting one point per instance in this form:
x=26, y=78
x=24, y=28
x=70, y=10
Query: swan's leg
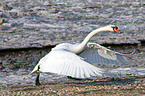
x=69, y=77
x=37, y=78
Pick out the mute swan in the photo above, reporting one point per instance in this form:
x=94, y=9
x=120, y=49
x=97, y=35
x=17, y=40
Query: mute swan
x=75, y=60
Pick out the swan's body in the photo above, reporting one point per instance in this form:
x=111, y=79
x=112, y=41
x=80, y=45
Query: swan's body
x=76, y=60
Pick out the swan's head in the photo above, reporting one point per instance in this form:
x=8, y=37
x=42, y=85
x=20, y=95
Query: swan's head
x=112, y=28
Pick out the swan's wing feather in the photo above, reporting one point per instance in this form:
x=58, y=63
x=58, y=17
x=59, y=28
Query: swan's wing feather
x=95, y=53
x=67, y=63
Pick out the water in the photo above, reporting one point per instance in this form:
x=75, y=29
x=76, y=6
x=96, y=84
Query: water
x=42, y=22
x=39, y=23
x=16, y=66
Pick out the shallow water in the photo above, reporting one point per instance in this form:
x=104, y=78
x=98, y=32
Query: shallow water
x=16, y=66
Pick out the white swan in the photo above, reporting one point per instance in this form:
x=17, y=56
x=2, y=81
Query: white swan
x=75, y=60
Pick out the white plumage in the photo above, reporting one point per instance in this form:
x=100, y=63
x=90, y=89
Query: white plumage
x=75, y=59
x=95, y=53
x=64, y=62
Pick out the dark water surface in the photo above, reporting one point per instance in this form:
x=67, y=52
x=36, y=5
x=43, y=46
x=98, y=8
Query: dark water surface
x=39, y=23
x=36, y=23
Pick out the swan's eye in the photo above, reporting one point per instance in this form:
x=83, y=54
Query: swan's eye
x=115, y=28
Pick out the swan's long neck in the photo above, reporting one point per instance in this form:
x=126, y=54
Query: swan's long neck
x=81, y=46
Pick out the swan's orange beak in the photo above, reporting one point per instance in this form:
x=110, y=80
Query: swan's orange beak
x=116, y=30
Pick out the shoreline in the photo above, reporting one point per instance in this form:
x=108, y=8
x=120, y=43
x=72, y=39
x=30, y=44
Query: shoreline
x=121, y=86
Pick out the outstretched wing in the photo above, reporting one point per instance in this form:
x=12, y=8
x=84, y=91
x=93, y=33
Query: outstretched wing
x=95, y=53
x=67, y=63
